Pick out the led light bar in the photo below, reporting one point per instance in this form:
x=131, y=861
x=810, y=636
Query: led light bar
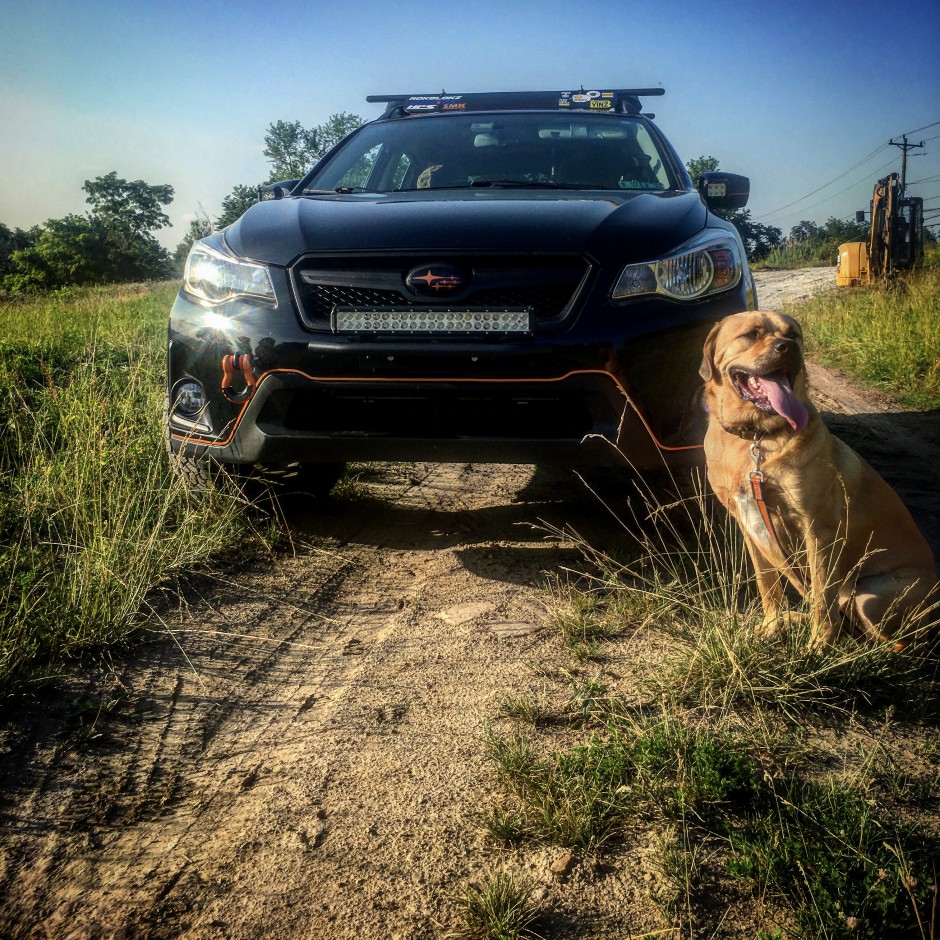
x=408, y=320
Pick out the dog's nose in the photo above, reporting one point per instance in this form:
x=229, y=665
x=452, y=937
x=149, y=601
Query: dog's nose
x=783, y=345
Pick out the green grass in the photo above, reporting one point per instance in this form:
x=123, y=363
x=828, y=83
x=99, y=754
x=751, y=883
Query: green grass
x=821, y=846
x=886, y=336
x=91, y=518
x=731, y=750
x=499, y=909
x=801, y=255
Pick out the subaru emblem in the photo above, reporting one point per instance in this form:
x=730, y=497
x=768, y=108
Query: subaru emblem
x=436, y=280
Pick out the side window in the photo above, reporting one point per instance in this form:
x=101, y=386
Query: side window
x=656, y=172
x=358, y=174
x=400, y=171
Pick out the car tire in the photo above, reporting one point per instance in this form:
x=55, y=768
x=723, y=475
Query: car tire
x=283, y=480
x=300, y=479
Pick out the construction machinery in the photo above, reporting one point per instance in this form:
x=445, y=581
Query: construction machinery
x=895, y=241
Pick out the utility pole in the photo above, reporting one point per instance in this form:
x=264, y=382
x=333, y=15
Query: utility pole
x=905, y=146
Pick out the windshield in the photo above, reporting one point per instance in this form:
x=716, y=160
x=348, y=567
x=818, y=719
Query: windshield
x=478, y=150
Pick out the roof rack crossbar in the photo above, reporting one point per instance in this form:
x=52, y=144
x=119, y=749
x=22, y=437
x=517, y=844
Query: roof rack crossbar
x=624, y=100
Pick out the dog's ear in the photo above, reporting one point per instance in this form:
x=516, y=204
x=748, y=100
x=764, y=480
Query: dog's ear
x=707, y=369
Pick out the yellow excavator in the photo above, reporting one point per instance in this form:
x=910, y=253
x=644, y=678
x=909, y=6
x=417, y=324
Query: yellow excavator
x=895, y=241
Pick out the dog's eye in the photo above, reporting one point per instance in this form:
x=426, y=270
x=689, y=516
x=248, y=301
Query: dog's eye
x=750, y=334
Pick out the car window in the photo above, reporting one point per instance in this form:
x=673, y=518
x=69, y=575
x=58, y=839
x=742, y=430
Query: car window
x=604, y=152
x=360, y=170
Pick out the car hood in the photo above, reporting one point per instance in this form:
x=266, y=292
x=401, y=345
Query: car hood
x=622, y=226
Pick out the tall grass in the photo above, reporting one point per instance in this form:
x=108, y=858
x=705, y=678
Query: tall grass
x=91, y=517
x=805, y=254
x=710, y=747
x=886, y=335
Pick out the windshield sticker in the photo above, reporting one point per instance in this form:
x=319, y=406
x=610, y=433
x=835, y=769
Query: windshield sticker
x=640, y=184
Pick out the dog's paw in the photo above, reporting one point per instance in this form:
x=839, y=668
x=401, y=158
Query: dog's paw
x=822, y=636
x=775, y=623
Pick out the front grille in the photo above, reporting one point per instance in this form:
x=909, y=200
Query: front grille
x=548, y=286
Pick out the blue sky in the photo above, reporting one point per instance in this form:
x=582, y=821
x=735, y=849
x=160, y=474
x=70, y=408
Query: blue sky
x=791, y=94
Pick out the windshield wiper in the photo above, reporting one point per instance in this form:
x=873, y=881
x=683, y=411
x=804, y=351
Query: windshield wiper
x=516, y=184
x=342, y=190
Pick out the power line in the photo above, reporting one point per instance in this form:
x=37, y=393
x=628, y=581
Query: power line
x=824, y=185
x=876, y=151
x=916, y=129
x=847, y=188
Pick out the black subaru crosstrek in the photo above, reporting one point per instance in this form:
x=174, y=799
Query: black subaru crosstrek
x=506, y=277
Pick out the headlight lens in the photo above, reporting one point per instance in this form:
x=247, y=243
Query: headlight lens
x=709, y=263
x=215, y=278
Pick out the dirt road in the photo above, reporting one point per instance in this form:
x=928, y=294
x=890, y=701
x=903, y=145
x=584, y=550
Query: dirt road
x=305, y=757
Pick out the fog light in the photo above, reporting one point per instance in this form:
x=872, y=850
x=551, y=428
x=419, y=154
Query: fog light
x=189, y=399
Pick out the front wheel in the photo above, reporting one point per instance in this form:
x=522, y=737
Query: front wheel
x=289, y=479
x=301, y=479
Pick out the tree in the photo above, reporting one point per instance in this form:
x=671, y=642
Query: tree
x=759, y=240
x=805, y=231
x=699, y=166
x=199, y=227
x=293, y=148
x=129, y=213
x=112, y=242
x=235, y=204
x=70, y=250
x=133, y=207
x=14, y=240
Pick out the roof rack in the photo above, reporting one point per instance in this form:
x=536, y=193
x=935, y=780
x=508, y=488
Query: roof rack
x=619, y=100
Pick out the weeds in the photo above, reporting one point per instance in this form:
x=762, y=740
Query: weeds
x=91, y=517
x=499, y=909
x=842, y=865
x=821, y=846
x=707, y=757
x=889, y=337
x=525, y=708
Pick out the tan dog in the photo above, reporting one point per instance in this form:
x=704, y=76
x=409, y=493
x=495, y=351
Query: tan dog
x=810, y=508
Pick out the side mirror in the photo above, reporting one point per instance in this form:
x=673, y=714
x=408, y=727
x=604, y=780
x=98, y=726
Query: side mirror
x=724, y=190
x=276, y=190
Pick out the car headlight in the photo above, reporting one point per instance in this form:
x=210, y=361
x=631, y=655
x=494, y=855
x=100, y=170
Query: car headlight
x=710, y=262
x=215, y=278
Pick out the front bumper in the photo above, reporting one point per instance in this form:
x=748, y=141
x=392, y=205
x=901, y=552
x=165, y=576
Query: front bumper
x=584, y=396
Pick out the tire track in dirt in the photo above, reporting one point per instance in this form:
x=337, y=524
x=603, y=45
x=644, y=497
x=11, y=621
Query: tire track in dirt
x=216, y=761
x=195, y=729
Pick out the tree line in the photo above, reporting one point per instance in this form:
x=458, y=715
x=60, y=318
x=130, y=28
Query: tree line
x=114, y=240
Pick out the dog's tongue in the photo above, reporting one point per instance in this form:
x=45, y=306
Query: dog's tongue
x=778, y=389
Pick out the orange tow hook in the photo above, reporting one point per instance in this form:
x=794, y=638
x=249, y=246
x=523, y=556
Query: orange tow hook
x=239, y=362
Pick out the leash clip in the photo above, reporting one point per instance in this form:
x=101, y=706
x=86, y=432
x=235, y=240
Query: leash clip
x=756, y=457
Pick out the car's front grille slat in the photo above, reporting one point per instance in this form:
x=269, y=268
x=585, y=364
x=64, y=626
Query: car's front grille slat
x=549, y=287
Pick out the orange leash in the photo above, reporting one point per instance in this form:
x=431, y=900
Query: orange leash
x=757, y=491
